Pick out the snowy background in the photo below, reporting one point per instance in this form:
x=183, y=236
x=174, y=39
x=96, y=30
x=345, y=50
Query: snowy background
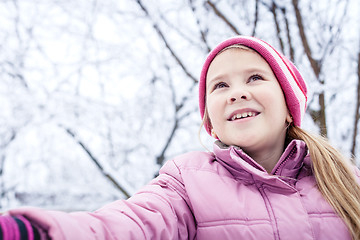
x=95, y=95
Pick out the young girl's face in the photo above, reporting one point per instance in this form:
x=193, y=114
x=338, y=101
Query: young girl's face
x=245, y=102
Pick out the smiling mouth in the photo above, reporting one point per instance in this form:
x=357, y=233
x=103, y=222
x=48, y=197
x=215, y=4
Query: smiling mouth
x=242, y=115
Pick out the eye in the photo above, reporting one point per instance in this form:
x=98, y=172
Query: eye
x=220, y=85
x=255, y=77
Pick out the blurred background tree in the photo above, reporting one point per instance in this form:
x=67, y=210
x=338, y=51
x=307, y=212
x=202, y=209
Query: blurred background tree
x=96, y=95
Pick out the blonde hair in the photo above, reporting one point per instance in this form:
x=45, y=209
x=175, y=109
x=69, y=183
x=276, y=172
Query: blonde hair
x=334, y=176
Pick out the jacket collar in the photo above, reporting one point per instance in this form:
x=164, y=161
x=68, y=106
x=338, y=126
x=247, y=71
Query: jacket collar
x=294, y=157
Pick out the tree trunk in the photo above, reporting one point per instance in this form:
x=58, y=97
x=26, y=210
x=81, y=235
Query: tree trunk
x=357, y=111
x=316, y=67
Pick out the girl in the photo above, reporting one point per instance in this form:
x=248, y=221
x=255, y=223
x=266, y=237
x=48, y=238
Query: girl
x=265, y=179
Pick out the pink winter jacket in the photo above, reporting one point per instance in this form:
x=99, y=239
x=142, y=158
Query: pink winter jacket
x=220, y=195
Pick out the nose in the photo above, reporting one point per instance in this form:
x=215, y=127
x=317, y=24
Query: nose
x=238, y=95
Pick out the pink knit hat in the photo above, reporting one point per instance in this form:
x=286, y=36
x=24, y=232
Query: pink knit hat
x=291, y=82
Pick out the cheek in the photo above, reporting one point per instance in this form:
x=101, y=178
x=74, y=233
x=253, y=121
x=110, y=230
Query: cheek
x=213, y=106
x=272, y=94
x=277, y=105
x=213, y=110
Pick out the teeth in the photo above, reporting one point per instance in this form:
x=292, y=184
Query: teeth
x=242, y=115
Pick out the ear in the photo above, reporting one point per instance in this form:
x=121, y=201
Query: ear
x=289, y=118
x=213, y=134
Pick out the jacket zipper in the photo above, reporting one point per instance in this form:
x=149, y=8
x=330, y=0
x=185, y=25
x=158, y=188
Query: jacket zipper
x=283, y=162
x=270, y=212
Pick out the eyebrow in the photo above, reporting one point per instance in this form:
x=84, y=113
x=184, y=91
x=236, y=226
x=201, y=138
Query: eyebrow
x=217, y=78
x=254, y=69
x=259, y=70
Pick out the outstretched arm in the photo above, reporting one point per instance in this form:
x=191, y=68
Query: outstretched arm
x=160, y=210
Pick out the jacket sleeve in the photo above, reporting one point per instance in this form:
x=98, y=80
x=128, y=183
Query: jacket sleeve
x=160, y=210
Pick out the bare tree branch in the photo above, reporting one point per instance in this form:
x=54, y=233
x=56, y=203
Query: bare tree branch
x=3, y=191
x=288, y=34
x=223, y=17
x=331, y=43
x=190, y=39
x=202, y=33
x=273, y=8
x=357, y=110
x=21, y=42
x=256, y=17
x=315, y=65
x=160, y=159
x=96, y=161
x=162, y=36
x=277, y=25
x=177, y=106
x=177, y=118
